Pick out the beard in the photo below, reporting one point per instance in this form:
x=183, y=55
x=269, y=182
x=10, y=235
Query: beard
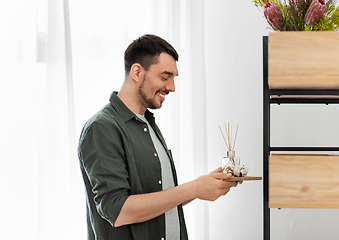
x=150, y=102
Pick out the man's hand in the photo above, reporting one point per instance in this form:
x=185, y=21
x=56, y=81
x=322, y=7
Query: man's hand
x=210, y=186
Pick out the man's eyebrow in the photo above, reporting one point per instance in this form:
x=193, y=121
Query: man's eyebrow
x=169, y=73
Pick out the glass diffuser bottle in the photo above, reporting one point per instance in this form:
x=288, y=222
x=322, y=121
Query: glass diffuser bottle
x=230, y=161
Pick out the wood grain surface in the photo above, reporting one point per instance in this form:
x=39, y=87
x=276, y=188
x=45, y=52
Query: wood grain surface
x=247, y=178
x=303, y=181
x=303, y=60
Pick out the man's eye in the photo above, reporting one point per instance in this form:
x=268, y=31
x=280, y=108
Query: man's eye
x=163, y=78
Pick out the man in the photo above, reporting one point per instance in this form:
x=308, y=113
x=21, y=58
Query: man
x=131, y=183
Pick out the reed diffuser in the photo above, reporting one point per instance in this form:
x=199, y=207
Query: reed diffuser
x=231, y=163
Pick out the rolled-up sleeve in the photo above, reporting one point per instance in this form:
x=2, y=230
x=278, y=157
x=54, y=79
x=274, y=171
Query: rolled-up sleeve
x=102, y=155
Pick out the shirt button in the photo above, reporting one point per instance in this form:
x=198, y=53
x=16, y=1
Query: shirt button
x=159, y=182
x=155, y=154
x=145, y=129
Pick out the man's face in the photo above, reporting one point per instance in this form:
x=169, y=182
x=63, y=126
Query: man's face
x=158, y=81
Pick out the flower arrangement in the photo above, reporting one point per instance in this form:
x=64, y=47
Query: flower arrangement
x=300, y=15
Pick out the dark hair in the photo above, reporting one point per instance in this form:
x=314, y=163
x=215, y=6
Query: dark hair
x=145, y=51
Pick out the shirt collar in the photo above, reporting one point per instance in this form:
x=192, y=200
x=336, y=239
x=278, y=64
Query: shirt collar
x=125, y=113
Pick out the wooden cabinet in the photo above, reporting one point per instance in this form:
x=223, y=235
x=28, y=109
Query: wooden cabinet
x=299, y=68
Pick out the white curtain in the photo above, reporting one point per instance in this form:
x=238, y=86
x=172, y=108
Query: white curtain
x=60, y=60
x=42, y=190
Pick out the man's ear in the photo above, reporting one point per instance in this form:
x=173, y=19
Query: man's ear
x=136, y=72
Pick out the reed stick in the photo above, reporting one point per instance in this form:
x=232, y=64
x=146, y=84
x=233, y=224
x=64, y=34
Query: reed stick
x=228, y=136
x=223, y=137
x=231, y=137
x=236, y=132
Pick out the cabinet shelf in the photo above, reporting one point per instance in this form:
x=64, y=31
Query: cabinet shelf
x=304, y=149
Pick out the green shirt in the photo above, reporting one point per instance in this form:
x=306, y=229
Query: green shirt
x=117, y=159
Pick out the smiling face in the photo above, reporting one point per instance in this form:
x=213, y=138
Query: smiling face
x=158, y=81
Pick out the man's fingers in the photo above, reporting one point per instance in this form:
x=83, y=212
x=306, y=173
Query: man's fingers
x=222, y=175
x=218, y=170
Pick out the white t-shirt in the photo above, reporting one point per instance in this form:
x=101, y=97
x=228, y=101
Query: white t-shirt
x=171, y=217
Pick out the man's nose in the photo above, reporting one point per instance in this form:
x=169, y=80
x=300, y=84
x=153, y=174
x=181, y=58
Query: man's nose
x=170, y=85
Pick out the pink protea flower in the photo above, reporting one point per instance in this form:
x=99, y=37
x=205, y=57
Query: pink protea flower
x=274, y=16
x=260, y=3
x=315, y=12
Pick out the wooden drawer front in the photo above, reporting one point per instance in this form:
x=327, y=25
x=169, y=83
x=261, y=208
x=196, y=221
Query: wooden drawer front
x=303, y=60
x=303, y=181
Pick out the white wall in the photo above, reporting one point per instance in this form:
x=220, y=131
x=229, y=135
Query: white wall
x=233, y=50
x=234, y=31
